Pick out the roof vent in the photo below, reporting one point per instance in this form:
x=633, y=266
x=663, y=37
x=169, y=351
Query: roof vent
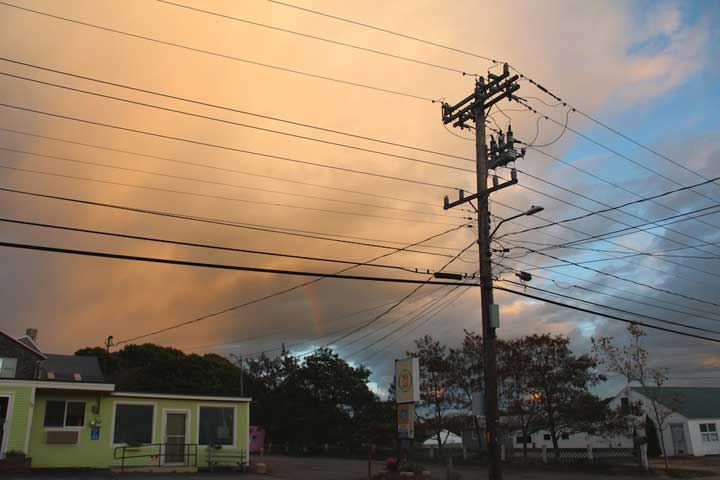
x=77, y=377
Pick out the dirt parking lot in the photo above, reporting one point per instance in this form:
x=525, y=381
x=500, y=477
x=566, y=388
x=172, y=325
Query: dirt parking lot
x=316, y=468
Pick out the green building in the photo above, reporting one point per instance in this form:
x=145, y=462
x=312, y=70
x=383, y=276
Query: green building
x=60, y=412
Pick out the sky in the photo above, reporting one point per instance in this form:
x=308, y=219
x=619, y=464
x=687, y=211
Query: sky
x=648, y=70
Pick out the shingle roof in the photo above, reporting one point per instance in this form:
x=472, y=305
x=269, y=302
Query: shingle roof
x=64, y=368
x=691, y=402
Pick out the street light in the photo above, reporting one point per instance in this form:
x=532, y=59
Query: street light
x=531, y=211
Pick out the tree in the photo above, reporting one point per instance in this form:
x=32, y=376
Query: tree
x=517, y=397
x=466, y=374
x=437, y=392
x=559, y=381
x=632, y=361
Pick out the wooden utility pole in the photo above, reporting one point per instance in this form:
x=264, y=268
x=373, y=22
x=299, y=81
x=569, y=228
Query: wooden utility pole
x=474, y=108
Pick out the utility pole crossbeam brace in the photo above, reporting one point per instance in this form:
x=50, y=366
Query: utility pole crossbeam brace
x=474, y=107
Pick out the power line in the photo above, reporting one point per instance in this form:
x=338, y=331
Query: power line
x=437, y=311
x=236, y=110
x=202, y=245
x=227, y=223
x=612, y=275
x=658, y=253
x=691, y=311
x=611, y=129
x=224, y=56
x=218, y=197
x=428, y=304
x=284, y=330
x=605, y=315
x=661, y=320
x=384, y=30
x=646, y=226
x=398, y=303
x=403, y=325
x=275, y=294
x=315, y=37
x=223, y=169
x=232, y=149
x=231, y=122
x=242, y=268
x=224, y=184
x=620, y=155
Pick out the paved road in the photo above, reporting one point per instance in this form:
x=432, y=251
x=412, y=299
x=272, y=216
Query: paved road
x=297, y=468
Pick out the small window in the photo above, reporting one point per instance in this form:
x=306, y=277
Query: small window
x=624, y=404
x=519, y=440
x=217, y=426
x=547, y=436
x=708, y=432
x=8, y=367
x=565, y=436
x=59, y=413
x=133, y=424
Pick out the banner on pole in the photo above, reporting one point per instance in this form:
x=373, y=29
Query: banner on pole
x=406, y=420
x=407, y=380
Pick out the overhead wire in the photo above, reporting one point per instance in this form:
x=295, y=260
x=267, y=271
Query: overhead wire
x=222, y=55
x=272, y=295
x=217, y=197
x=227, y=148
x=606, y=315
x=232, y=122
x=315, y=37
x=224, y=184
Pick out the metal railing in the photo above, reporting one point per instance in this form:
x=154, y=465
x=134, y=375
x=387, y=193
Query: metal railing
x=146, y=450
x=218, y=457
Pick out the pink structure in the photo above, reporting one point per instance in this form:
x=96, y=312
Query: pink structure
x=257, y=439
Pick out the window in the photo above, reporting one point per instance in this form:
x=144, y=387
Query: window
x=217, y=426
x=60, y=413
x=546, y=436
x=625, y=405
x=133, y=424
x=565, y=436
x=7, y=367
x=519, y=440
x=708, y=432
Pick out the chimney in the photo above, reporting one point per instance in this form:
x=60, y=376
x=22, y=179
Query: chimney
x=32, y=333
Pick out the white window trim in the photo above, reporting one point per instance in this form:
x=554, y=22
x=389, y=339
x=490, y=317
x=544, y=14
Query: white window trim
x=187, y=413
x=14, y=371
x=8, y=422
x=65, y=427
x=218, y=405
x=130, y=402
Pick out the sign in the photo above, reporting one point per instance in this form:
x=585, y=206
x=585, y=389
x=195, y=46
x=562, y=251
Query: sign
x=406, y=420
x=407, y=380
x=94, y=433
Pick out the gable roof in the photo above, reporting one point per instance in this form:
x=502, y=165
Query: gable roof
x=691, y=402
x=24, y=345
x=64, y=368
x=30, y=343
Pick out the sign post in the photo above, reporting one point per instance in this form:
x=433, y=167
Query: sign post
x=407, y=393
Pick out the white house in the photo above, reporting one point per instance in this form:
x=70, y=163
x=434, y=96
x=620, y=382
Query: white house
x=542, y=438
x=693, y=424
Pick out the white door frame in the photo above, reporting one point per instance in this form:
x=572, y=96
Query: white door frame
x=163, y=439
x=6, y=428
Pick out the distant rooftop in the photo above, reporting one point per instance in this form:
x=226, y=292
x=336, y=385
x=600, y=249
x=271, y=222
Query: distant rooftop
x=691, y=402
x=71, y=368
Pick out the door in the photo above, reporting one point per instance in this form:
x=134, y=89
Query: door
x=175, y=438
x=4, y=423
x=677, y=430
